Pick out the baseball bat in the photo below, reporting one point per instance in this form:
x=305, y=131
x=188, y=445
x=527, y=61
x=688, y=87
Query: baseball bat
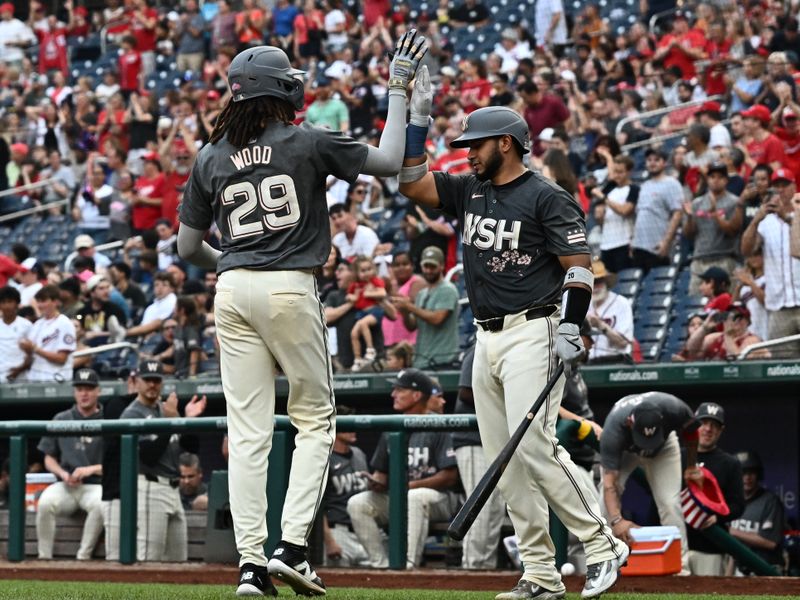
x=477, y=499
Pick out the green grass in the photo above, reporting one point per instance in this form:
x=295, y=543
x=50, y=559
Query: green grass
x=59, y=590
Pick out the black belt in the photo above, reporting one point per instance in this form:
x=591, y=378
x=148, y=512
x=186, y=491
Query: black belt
x=171, y=481
x=537, y=312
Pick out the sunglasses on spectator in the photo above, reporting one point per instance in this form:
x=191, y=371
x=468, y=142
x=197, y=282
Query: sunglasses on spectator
x=360, y=191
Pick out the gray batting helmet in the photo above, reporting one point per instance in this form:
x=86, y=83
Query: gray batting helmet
x=265, y=71
x=493, y=121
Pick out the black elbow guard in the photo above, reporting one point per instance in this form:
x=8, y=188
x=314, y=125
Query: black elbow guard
x=575, y=300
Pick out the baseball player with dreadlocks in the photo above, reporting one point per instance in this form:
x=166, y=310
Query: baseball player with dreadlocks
x=262, y=181
x=525, y=253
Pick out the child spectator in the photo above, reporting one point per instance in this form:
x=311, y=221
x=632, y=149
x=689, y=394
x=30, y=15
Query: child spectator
x=399, y=357
x=130, y=66
x=367, y=294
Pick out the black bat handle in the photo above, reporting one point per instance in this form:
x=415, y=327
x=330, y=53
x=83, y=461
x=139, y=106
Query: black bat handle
x=477, y=499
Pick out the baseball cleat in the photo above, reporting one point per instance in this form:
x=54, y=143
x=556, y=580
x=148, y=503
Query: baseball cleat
x=255, y=581
x=528, y=589
x=601, y=576
x=291, y=567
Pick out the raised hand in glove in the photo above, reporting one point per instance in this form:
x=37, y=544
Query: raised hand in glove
x=408, y=52
x=421, y=99
x=569, y=345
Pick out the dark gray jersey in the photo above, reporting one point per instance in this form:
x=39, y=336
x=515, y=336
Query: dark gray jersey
x=617, y=437
x=167, y=464
x=513, y=235
x=75, y=451
x=763, y=515
x=428, y=453
x=268, y=199
x=345, y=479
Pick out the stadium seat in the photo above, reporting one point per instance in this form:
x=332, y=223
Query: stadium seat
x=650, y=351
x=668, y=272
x=658, y=286
x=629, y=289
x=650, y=334
x=651, y=318
x=629, y=275
x=656, y=301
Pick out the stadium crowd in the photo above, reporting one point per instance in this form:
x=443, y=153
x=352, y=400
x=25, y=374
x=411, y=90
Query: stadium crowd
x=677, y=132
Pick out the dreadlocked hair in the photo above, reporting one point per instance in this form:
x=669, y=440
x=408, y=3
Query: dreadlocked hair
x=243, y=121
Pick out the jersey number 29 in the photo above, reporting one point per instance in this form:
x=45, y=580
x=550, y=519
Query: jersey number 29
x=277, y=198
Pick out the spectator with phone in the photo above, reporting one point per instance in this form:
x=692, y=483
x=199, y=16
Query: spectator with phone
x=756, y=192
x=776, y=229
x=710, y=344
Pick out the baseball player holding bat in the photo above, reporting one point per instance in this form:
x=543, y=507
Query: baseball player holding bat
x=261, y=179
x=525, y=253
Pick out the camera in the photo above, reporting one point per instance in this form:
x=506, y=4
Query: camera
x=720, y=317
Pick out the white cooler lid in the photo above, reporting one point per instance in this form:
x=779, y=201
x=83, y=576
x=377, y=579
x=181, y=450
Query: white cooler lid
x=40, y=478
x=654, y=534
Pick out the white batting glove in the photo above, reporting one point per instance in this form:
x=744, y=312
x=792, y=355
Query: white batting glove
x=421, y=98
x=408, y=52
x=569, y=346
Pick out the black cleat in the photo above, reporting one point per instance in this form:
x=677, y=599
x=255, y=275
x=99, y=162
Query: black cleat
x=255, y=581
x=289, y=564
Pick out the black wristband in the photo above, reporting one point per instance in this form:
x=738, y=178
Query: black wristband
x=575, y=304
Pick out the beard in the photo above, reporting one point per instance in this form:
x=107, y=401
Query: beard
x=599, y=294
x=492, y=165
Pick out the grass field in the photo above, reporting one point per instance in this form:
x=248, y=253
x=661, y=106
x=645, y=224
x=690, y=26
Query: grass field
x=58, y=590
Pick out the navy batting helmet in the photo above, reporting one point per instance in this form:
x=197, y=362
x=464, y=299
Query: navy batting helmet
x=265, y=71
x=493, y=121
x=751, y=461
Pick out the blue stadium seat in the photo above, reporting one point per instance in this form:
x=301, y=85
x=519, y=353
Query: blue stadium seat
x=656, y=301
x=629, y=289
x=688, y=303
x=650, y=334
x=629, y=275
x=650, y=351
x=657, y=286
x=668, y=272
x=651, y=318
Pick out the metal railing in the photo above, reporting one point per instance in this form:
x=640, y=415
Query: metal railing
x=397, y=426
x=767, y=344
x=106, y=348
x=660, y=111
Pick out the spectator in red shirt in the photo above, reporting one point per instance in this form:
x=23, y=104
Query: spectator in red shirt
x=150, y=189
x=52, y=47
x=78, y=23
x=130, y=66
x=763, y=148
x=250, y=25
x=681, y=47
x=789, y=135
x=717, y=49
x=541, y=111
x=714, y=285
x=143, y=20
x=475, y=90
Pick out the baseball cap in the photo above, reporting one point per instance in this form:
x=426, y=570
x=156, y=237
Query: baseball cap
x=783, y=175
x=28, y=264
x=788, y=113
x=84, y=241
x=710, y=106
x=152, y=157
x=432, y=255
x=509, y=34
x=758, y=111
x=739, y=309
x=151, y=369
x=85, y=275
x=86, y=377
x=546, y=134
x=212, y=95
x=6, y=7
x=711, y=410
x=94, y=280
x=413, y=379
x=718, y=167
x=19, y=146
x=648, y=426
x=716, y=274
x=81, y=11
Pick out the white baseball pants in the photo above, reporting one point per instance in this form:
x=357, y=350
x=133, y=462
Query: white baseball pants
x=665, y=477
x=510, y=370
x=369, y=511
x=479, y=548
x=161, y=533
x=111, y=522
x=62, y=499
x=265, y=318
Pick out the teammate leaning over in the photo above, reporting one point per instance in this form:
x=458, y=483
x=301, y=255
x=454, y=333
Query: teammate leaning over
x=262, y=180
x=525, y=253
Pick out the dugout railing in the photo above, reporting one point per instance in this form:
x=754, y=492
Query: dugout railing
x=397, y=426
